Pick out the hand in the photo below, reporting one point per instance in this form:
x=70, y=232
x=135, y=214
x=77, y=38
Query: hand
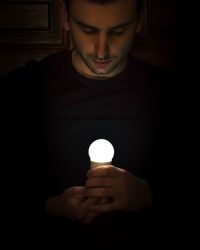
x=127, y=192
x=73, y=204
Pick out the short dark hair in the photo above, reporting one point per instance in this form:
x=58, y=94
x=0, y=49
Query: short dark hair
x=139, y=3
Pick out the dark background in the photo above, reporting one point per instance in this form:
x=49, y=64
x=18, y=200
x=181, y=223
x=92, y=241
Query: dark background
x=32, y=29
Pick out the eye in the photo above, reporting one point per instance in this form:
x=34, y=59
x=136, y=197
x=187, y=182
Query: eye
x=88, y=30
x=118, y=31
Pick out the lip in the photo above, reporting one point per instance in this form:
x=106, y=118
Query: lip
x=101, y=64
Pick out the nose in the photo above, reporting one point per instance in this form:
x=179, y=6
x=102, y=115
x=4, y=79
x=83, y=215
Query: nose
x=102, y=47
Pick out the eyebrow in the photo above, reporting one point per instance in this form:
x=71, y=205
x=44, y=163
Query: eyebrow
x=96, y=28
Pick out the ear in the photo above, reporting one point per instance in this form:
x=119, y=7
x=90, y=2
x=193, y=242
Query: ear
x=142, y=20
x=64, y=16
x=139, y=27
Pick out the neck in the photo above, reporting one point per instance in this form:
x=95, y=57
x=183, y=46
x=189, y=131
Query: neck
x=82, y=69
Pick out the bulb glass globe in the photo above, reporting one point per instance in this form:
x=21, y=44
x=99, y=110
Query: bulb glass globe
x=101, y=151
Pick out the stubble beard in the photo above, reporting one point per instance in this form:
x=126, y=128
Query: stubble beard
x=88, y=60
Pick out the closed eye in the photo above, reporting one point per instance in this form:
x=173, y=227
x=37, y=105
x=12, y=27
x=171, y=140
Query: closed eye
x=119, y=31
x=89, y=30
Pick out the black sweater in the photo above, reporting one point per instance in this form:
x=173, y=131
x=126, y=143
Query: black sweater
x=52, y=114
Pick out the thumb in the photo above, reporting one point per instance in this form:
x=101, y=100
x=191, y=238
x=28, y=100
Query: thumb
x=76, y=192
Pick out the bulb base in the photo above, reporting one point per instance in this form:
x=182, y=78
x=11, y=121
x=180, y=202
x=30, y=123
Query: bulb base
x=94, y=164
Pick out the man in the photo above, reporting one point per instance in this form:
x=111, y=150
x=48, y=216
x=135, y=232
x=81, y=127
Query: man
x=103, y=36
x=68, y=100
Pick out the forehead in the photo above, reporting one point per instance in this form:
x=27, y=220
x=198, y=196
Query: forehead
x=103, y=15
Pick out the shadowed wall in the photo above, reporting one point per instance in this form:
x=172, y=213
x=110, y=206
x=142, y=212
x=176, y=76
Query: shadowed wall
x=32, y=29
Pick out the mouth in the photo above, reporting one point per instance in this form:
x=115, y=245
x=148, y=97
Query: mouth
x=101, y=64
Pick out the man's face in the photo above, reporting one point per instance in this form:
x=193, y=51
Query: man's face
x=102, y=35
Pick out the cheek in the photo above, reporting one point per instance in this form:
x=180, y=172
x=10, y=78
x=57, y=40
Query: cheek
x=120, y=45
x=85, y=45
x=81, y=41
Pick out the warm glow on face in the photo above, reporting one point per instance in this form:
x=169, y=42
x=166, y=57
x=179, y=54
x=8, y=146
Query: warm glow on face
x=101, y=151
x=102, y=32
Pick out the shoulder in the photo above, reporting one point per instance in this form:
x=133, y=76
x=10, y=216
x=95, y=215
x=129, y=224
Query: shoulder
x=156, y=75
x=34, y=70
x=55, y=60
x=32, y=66
x=142, y=68
x=56, y=66
x=22, y=72
x=20, y=80
x=162, y=83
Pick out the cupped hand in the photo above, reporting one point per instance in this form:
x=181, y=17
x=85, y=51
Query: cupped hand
x=74, y=204
x=126, y=191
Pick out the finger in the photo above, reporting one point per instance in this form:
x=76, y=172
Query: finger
x=100, y=181
x=106, y=170
x=104, y=201
x=101, y=192
x=88, y=202
x=76, y=192
x=83, y=207
x=103, y=208
x=91, y=215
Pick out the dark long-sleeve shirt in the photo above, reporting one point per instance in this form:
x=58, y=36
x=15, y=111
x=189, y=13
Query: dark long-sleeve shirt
x=52, y=114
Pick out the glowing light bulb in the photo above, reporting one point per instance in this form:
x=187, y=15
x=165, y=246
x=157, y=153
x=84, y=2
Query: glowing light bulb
x=101, y=152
